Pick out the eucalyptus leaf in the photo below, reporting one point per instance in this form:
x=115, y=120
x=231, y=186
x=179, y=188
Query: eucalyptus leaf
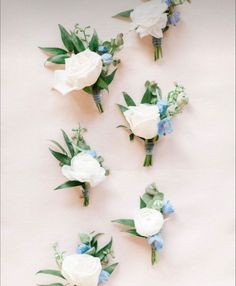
x=53, y=51
x=147, y=198
x=68, y=143
x=69, y=184
x=111, y=268
x=122, y=108
x=51, y=272
x=125, y=14
x=58, y=59
x=66, y=39
x=64, y=159
x=94, y=43
x=128, y=222
x=128, y=99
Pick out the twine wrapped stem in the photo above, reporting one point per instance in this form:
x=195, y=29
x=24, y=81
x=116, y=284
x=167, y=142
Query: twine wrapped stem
x=157, y=43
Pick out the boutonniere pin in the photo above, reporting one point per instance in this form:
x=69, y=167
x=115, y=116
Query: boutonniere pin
x=152, y=118
x=89, y=63
x=79, y=164
x=150, y=219
x=153, y=18
x=88, y=266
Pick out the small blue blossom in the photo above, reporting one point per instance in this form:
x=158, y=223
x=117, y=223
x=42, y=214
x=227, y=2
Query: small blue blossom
x=168, y=2
x=82, y=248
x=156, y=241
x=102, y=50
x=163, y=105
x=167, y=208
x=107, y=58
x=92, y=153
x=104, y=276
x=165, y=127
x=174, y=18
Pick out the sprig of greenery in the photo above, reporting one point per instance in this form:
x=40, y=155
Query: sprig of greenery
x=58, y=255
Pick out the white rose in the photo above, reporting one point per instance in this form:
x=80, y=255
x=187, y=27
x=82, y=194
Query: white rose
x=148, y=222
x=150, y=18
x=81, y=270
x=81, y=70
x=143, y=120
x=84, y=168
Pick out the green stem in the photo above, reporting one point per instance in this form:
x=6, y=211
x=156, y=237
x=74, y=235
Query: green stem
x=149, y=145
x=154, y=256
x=98, y=101
x=157, y=43
x=86, y=195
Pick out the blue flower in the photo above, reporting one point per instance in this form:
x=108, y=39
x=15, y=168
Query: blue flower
x=92, y=153
x=104, y=276
x=163, y=105
x=82, y=248
x=107, y=58
x=102, y=50
x=167, y=208
x=165, y=127
x=156, y=241
x=168, y=2
x=174, y=18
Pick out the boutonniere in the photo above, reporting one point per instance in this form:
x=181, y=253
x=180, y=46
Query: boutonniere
x=89, y=63
x=154, y=18
x=152, y=118
x=79, y=164
x=88, y=266
x=150, y=219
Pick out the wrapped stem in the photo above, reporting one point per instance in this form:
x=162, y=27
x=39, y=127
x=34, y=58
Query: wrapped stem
x=154, y=256
x=85, y=192
x=157, y=43
x=98, y=101
x=149, y=145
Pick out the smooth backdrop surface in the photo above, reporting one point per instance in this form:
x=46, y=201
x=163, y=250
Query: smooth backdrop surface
x=194, y=166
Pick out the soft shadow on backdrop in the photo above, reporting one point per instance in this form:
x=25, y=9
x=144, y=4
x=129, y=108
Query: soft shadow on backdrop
x=194, y=166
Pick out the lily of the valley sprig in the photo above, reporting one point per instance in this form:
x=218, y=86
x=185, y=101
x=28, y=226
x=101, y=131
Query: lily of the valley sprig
x=79, y=164
x=154, y=18
x=88, y=266
x=152, y=118
x=150, y=219
x=90, y=63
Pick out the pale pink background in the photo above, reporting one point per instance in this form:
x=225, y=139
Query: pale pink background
x=194, y=166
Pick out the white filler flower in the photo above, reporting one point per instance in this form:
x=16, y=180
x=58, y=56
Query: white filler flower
x=81, y=70
x=84, y=168
x=148, y=222
x=143, y=120
x=150, y=18
x=81, y=270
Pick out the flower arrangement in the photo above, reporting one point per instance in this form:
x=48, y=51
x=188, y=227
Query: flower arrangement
x=152, y=118
x=88, y=61
x=150, y=219
x=154, y=18
x=80, y=165
x=89, y=266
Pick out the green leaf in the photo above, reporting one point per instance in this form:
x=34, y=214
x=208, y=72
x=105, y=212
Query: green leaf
x=85, y=238
x=91, y=251
x=122, y=126
x=94, y=43
x=104, y=251
x=66, y=39
x=95, y=237
x=110, y=268
x=58, y=59
x=53, y=51
x=129, y=101
x=128, y=222
x=78, y=44
x=88, y=89
x=108, y=79
x=59, y=146
x=147, y=198
x=68, y=143
x=51, y=272
x=64, y=159
x=133, y=232
x=101, y=84
x=69, y=184
x=125, y=14
x=122, y=108
x=52, y=284
x=147, y=98
x=142, y=204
